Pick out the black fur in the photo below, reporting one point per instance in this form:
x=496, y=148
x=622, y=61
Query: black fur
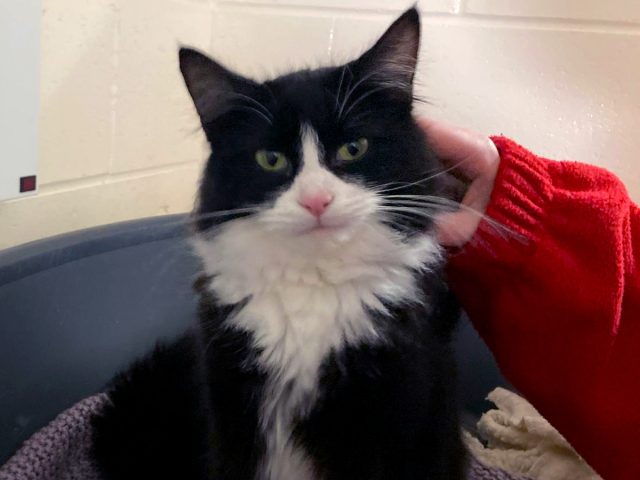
x=158, y=422
x=389, y=412
x=191, y=409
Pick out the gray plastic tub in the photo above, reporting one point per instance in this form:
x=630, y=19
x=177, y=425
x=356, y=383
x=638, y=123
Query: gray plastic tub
x=76, y=308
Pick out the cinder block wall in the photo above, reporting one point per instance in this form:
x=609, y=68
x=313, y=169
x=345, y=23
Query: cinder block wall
x=119, y=139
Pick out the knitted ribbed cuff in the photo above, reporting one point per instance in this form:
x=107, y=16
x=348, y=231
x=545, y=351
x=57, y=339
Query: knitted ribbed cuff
x=521, y=191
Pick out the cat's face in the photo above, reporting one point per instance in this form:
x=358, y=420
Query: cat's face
x=316, y=153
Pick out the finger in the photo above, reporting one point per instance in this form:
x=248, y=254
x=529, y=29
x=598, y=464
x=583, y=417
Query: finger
x=474, y=154
x=456, y=229
x=446, y=140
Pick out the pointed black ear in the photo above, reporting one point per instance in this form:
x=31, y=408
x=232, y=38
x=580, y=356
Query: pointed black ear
x=392, y=60
x=211, y=86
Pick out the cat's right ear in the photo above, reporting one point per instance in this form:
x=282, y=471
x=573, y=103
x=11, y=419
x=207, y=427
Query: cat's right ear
x=392, y=60
x=211, y=86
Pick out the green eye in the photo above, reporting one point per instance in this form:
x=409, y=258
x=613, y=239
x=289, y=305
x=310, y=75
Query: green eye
x=271, y=161
x=353, y=150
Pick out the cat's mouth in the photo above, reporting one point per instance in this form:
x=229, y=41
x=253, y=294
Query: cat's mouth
x=326, y=227
x=321, y=228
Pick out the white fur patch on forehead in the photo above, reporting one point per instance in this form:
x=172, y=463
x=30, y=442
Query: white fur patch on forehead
x=311, y=149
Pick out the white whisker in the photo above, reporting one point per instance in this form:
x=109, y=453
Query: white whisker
x=446, y=206
x=254, y=110
x=340, y=86
x=425, y=203
x=413, y=211
x=423, y=180
x=265, y=110
x=404, y=216
x=363, y=96
x=351, y=90
x=222, y=213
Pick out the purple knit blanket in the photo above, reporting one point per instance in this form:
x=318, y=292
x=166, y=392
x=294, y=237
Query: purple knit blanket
x=60, y=451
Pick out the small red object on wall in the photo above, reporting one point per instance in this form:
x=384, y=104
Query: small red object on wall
x=27, y=184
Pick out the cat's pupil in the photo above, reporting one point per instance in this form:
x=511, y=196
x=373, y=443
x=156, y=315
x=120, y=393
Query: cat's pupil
x=272, y=158
x=353, y=148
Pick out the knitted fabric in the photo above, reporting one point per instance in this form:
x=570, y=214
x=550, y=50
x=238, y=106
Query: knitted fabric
x=60, y=451
x=555, y=294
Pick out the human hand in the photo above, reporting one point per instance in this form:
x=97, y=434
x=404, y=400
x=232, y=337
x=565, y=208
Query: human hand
x=472, y=157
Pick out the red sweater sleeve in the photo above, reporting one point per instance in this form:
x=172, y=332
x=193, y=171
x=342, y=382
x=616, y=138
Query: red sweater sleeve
x=555, y=293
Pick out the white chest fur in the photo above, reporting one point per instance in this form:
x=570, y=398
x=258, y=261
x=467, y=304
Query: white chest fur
x=306, y=298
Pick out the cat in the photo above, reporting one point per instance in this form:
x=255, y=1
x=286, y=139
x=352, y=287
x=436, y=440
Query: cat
x=323, y=347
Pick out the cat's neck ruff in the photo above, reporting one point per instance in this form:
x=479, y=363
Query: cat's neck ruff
x=248, y=259
x=305, y=291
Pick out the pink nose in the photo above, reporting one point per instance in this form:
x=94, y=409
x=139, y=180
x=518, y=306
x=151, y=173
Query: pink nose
x=316, y=203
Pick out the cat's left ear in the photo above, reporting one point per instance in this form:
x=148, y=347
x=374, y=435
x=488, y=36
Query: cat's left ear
x=392, y=60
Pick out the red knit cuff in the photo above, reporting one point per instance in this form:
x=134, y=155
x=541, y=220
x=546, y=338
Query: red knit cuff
x=522, y=189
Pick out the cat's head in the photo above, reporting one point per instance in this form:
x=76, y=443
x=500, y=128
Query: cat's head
x=317, y=153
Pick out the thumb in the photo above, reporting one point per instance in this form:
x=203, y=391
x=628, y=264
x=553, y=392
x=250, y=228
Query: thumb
x=457, y=228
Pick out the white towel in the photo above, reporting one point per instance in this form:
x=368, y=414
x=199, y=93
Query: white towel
x=520, y=441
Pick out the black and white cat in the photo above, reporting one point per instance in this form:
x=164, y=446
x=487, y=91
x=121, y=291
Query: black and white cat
x=323, y=347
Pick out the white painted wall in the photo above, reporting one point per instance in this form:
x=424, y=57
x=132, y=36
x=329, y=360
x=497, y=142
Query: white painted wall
x=20, y=54
x=118, y=136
